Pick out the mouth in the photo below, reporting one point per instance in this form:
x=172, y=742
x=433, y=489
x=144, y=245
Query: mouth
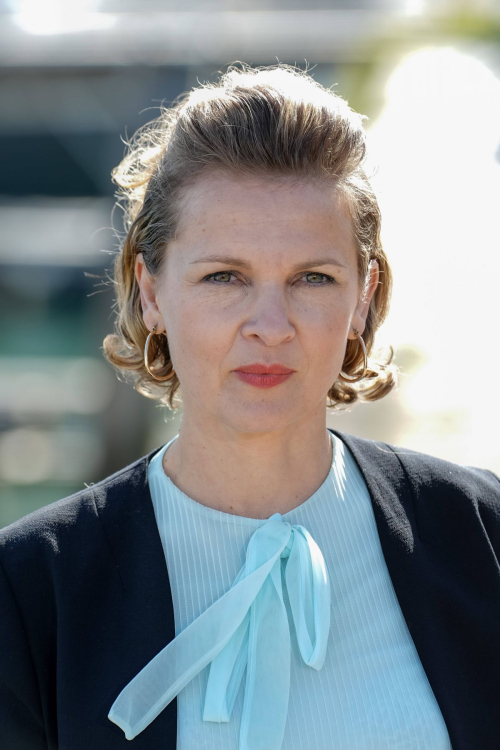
x=258, y=369
x=264, y=376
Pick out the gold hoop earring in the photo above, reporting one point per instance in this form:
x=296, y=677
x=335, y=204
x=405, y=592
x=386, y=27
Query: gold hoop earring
x=346, y=378
x=146, y=361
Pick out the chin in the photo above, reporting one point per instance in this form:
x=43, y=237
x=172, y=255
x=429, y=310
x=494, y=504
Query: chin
x=259, y=417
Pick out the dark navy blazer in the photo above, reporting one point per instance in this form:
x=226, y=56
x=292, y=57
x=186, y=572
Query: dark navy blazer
x=85, y=600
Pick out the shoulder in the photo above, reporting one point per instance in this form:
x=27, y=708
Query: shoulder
x=427, y=474
x=448, y=505
x=57, y=556
x=47, y=529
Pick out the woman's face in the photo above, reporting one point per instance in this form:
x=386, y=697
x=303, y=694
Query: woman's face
x=262, y=274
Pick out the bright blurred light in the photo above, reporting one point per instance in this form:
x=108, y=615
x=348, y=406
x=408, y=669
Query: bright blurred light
x=439, y=186
x=59, y=16
x=436, y=94
x=414, y=7
x=438, y=183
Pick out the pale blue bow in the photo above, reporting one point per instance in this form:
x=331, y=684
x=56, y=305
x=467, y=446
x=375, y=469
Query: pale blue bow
x=248, y=626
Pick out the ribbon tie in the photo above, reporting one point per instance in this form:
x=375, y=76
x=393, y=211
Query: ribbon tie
x=247, y=627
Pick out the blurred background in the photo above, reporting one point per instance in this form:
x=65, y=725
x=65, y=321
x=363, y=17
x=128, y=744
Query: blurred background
x=76, y=78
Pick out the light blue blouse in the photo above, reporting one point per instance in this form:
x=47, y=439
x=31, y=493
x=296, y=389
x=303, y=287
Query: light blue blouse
x=322, y=660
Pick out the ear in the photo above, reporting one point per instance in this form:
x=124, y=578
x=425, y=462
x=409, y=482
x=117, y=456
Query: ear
x=147, y=286
x=361, y=312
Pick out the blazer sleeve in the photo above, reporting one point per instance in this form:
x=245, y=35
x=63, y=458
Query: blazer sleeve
x=21, y=719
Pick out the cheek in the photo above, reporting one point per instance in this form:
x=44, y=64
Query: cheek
x=325, y=342
x=200, y=340
x=327, y=331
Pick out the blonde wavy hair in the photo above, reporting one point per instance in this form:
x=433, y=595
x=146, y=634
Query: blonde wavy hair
x=275, y=121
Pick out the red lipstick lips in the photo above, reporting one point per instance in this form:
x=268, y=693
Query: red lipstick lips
x=264, y=376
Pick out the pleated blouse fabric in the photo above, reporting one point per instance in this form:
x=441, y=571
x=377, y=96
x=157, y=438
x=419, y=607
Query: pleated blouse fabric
x=372, y=692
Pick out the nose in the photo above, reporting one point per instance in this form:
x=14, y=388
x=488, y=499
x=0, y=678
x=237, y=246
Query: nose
x=269, y=317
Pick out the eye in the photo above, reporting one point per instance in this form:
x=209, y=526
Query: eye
x=319, y=279
x=212, y=277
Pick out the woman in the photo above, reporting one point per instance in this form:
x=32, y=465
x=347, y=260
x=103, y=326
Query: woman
x=259, y=581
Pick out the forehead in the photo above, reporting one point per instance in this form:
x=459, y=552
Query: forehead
x=251, y=212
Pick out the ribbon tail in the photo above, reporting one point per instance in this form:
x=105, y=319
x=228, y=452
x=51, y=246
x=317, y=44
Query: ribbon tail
x=267, y=687
x=226, y=669
x=226, y=672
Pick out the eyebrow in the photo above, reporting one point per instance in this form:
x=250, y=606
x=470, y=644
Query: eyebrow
x=230, y=260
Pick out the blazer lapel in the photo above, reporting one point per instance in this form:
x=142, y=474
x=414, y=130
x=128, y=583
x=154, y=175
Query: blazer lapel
x=142, y=608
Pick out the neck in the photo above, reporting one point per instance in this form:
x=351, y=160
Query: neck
x=250, y=474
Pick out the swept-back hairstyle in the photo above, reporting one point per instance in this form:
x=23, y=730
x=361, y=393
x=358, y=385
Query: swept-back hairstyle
x=274, y=121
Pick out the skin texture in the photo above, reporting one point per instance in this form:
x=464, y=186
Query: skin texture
x=244, y=450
